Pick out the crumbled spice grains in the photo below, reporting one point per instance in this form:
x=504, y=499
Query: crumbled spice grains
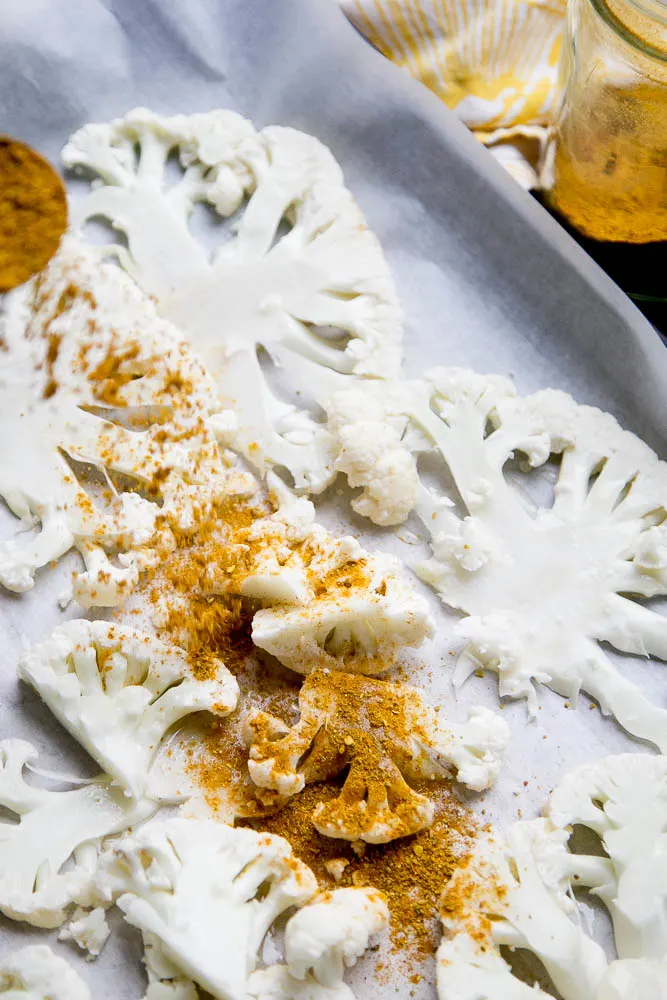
x=206, y=625
x=109, y=376
x=350, y=576
x=412, y=871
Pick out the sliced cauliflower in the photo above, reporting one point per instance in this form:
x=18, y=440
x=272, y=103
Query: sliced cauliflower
x=322, y=940
x=92, y=375
x=517, y=892
x=53, y=828
x=326, y=602
x=542, y=584
x=380, y=731
x=207, y=892
x=118, y=691
x=35, y=973
x=89, y=930
x=298, y=274
x=623, y=799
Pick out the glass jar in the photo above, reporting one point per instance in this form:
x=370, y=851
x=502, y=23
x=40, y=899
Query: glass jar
x=605, y=167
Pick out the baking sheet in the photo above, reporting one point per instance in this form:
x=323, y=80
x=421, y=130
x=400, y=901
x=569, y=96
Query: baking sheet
x=486, y=278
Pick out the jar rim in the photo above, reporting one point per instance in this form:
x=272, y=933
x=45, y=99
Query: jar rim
x=654, y=10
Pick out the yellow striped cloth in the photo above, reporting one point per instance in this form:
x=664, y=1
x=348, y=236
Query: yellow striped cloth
x=493, y=62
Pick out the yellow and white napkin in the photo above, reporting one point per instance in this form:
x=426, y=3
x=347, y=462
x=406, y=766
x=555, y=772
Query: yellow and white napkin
x=493, y=62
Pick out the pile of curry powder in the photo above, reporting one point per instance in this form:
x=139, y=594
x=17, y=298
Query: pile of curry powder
x=33, y=213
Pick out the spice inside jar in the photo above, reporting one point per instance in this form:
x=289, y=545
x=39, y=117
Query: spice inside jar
x=606, y=165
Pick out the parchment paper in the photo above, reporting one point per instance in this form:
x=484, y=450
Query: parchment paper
x=487, y=279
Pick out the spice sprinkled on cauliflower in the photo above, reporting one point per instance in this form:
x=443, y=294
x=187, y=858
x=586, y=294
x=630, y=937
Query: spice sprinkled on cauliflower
x=517, y=891
x=118, y=691
x=321, y=290
x=88, y=367
x=324, y=601
x=381, y=732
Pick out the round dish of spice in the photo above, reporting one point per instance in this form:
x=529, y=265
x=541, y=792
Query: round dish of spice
x=33, y=212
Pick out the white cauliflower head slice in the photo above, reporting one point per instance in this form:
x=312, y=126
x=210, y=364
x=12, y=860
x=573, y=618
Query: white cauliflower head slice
x=53, y=828
x=514, y=892
x=634, y=979
x=381, y=732
x=517, y=891
x=623, y=799
x=118, y=691
x=326, y=602
x=92, y=375
x=327, y=936
x=321, y=290
x=35, y=973
x=497, y=533
x=208, y=893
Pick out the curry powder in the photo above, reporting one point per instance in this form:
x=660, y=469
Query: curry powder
x=33, y=213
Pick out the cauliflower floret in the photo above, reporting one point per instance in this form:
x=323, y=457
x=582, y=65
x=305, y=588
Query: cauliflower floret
x=372, y=454
x=321, y=291
x=177, y=989
x=86, y=354
x=53, y=828
x=380, y=731
x=321, y=940
x=362, y=617
x=329, y=934
x=634, y=979
x=379, y=428
x=207, y=892
x=118, y=691
x=37, y=974
x=327, y=602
